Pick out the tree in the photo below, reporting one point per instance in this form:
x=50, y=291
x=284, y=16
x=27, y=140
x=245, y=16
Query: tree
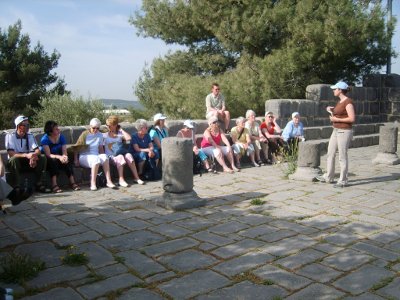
x=256, y=50
x=25, y=74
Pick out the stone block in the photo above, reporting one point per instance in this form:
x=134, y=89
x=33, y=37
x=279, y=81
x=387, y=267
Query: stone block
x=388, y=139
x=76, y=131
x=318, y=92
x=326, y=132
x=308, y=155
x=312, y=133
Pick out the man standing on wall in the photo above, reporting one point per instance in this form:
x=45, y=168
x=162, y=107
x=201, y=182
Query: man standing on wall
x=215, y=103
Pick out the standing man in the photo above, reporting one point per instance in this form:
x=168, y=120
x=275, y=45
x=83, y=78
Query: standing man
x=24, y=154
x=215, y=103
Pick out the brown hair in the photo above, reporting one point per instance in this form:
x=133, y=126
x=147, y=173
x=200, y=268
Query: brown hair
x=112, y=120
x=214, y=84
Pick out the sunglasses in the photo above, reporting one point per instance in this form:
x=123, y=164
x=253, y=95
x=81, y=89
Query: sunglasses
x=97, y=128
x=215, y=122
x=23, y=125
x=270, y=116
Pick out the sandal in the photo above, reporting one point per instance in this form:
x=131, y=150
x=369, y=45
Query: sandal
x=56, y=189
x=75, y=187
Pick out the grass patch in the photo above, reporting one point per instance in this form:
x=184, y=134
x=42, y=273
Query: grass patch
x=74, y=258
x=356, y=212
x=289, y=156
x=248, y=276
x=257, y=201
x=119, y=259
x=17, y=268
x=384, y=282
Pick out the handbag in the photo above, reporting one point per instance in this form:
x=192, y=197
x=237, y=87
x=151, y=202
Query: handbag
x=118, y=148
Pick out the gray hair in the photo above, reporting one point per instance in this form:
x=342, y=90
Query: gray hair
x=240, y=120
x=250, y=112
x=140, y=124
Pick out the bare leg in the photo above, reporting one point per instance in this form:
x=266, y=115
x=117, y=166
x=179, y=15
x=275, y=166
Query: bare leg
x=106, y=168
x=94, y=170
x=140, y=167
x=227, y=119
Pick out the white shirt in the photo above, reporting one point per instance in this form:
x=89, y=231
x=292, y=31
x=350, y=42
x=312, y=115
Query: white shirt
x=19, y=144
x=93, y=140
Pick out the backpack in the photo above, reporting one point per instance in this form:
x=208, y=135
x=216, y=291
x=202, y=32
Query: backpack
x=197, y=165
x=151, y=171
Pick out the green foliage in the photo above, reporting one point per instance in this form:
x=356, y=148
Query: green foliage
x=257, y=201
x=17, y=268
x=68, y=109
x=74, y=258
x=256, y=50
x=290, y=156
x=25, y=74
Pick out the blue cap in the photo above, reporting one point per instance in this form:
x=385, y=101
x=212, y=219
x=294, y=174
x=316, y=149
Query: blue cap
x=340, y=85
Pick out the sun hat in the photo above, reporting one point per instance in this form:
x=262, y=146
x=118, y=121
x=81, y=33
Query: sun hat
x=18, y=120
x=296, y=113
x=159, y=116
x=340, y=85
x=188, y=124
x=269, y=113
x=212, y=119
x=95, y=123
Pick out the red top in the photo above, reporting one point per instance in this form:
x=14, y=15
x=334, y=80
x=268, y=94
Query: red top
x=271, y=129
x=217, y=139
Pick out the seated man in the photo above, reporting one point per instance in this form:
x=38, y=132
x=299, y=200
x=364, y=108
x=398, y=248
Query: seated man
x=215, y=103
x=24, y=154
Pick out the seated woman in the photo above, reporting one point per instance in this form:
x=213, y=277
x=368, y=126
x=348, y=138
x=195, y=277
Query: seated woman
x=271, y=131
x=114, y=149
x=242, y=142
x=158, y=132
x=187, y=132
x=293, y=132
x=54, y=146
x=211, y=145
x=142, y=147
x=258, y=141
x=93, y=155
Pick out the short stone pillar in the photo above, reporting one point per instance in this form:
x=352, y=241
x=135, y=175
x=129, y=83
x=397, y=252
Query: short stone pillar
x=177, y=177
x=308, y=162
x=387, y=146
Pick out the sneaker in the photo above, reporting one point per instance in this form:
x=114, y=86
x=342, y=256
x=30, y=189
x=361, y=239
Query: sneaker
x=139, y=181
x=339, y=185
x=256, y=164
x=93, y=188
x=320, y=178
x=123, y=183
x=111, y=185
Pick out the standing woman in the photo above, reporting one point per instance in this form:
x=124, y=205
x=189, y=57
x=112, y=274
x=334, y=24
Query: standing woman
x=342, y=117
x=54, y=146
x=93, y=155
x=114, y=147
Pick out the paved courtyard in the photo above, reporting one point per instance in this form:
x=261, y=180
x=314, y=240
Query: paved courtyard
x=303, y=240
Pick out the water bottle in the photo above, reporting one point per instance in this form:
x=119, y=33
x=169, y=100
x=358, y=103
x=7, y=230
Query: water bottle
x=6, y=294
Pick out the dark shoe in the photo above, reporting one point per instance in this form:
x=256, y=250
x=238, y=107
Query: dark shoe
x=17, y=196
x=42, y=189
x=320, y=178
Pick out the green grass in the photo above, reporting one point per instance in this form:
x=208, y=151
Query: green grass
x=119, y=259
x=257, y=201
x=18, y=268
x=384, y=282
x=74, y=258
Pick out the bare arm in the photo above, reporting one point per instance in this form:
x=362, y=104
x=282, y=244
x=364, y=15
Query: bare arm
x=127, y=137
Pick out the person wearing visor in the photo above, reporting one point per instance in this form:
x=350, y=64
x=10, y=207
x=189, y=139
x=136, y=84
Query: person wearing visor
x=342, y=117
x=24, y=155
x=158, y=131
x=91, y=154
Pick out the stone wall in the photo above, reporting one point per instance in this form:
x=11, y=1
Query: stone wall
x=378, y=100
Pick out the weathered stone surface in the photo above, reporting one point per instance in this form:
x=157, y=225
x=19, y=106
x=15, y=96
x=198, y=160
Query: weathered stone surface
x=56, y=293
x=317, y=291
x=141, y=263
x=187, y=260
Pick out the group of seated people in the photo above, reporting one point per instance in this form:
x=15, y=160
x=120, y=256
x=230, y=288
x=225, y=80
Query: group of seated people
x=94, y=148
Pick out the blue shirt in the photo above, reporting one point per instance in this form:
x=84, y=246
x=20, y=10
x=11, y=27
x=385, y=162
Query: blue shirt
x=143, y=143
x=54, y=148
x=155, y=132
x=291, y=131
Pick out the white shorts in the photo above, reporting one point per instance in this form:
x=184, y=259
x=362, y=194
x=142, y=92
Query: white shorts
x=212, y=151
x=90, y=160
x=239, y=149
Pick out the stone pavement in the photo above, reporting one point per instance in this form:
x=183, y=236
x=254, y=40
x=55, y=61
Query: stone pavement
x=305, y=241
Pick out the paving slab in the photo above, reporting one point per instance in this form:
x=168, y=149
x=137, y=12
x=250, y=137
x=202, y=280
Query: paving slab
x=188, y=260
x=317, y=291
x=57, y=293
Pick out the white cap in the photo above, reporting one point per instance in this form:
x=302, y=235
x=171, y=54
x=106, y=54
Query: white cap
x=188, y=124
x=18, y=120
x=159, y=116
x=340, y=85
x=296, y=113
x=95, y=122
x=212, y=119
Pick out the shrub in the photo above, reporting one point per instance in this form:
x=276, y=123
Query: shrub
x=68, y=110
x=290, y=156
x=17, y=268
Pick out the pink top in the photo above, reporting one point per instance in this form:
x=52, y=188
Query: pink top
x=217, y=139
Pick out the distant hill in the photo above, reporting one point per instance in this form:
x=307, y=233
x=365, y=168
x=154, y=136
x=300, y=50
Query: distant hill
x=118, y=103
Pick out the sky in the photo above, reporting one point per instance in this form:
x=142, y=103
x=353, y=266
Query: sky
x=101, y=54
